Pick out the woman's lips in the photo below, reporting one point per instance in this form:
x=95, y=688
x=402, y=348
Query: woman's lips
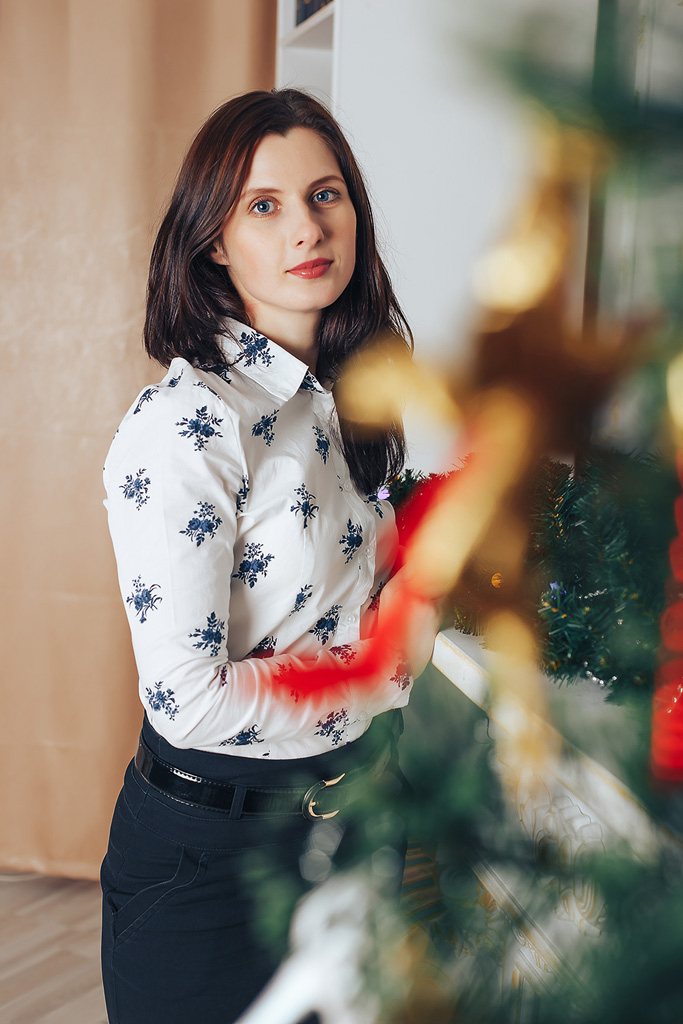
x=314, y=268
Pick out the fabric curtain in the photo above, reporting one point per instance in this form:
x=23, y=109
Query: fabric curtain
x=97, y=102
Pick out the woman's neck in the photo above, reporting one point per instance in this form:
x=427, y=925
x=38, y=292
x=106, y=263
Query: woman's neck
x=295, y=332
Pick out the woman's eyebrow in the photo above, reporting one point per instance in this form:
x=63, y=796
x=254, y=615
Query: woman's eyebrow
x=327, y=177
x=278, y=191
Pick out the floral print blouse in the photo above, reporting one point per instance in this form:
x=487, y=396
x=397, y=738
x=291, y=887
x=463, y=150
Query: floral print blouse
x=244, y=550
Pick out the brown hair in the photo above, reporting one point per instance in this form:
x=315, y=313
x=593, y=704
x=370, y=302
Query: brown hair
x=189, y=295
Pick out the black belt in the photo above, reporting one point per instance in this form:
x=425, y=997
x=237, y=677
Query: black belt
x=225, y=796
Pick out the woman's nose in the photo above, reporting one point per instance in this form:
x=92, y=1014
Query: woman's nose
x=306, y=228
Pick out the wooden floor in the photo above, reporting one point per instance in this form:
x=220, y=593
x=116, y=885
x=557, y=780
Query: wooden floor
x=50, y=951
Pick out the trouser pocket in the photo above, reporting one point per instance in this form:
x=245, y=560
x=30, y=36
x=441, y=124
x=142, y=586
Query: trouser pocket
x=142, y=872
x=132, y=912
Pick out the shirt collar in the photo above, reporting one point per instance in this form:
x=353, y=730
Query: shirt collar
x=271, y=366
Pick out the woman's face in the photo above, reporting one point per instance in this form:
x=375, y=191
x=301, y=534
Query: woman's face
x=290, y=242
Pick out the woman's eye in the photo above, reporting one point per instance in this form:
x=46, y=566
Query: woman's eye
x=325, y=195
x=263, y=207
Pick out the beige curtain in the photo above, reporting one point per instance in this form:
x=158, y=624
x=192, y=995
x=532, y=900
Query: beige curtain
x=98, y=100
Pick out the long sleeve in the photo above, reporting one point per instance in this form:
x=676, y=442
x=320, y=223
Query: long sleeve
x=196, y=569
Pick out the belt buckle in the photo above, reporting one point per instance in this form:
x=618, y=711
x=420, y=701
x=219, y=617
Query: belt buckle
x=310, y=797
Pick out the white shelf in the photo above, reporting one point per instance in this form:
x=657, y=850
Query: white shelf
x=313, y=34
x=305, y=52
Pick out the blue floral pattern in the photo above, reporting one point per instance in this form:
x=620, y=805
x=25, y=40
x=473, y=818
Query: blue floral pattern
x=402, y=676
x=201, y=428
x=241, y=496
x=243, y=738
x=333, y=726
x=264, y=648
x=255, y=349
x=203, y=524
x=264, y=427
x=327, y=624
x=305, y=505
x=210, y=637
x=302, y=597
x=220, y=369
x=253, y=564
x=351, y=540
x=373, y=499
x=374, y=600
x=203, y=384
x=344, y=652
x=322, y=444
x=162, y=700
x=136, y=488
x=143, y=600
x=146, y=396
x=309, y=383
x=174, y=381
x=285, y=675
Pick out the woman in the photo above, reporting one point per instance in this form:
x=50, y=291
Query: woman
x=251, y=547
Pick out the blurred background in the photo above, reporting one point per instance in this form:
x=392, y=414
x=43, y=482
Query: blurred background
x=452, y=109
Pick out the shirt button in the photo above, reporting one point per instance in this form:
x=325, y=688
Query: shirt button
x=351, y=618
x=348, y=486
x=371, y=548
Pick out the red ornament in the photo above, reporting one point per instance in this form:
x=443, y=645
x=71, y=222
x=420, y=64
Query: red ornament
x=667, y=706
x=671, y=624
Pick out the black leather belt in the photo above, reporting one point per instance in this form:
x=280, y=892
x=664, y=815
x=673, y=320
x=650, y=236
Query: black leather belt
x=246, y=800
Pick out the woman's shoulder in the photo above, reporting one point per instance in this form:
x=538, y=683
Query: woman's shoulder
x=185, y=384
x=189, y=402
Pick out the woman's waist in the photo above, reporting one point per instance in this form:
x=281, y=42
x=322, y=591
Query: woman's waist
x=382, y=732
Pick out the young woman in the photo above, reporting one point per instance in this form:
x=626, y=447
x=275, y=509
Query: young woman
x=251, y=546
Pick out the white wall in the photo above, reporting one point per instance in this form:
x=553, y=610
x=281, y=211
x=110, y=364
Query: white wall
x=444, y=162
x=443, y=146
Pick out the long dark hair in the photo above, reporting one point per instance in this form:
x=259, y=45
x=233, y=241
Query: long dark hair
x=189, y=295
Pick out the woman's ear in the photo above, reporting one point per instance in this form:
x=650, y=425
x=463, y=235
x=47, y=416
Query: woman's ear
x=218, y=253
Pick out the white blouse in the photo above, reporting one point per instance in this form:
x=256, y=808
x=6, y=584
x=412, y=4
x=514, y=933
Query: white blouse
x=245, y=552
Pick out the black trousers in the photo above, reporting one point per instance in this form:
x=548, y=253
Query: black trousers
x=196, y=904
